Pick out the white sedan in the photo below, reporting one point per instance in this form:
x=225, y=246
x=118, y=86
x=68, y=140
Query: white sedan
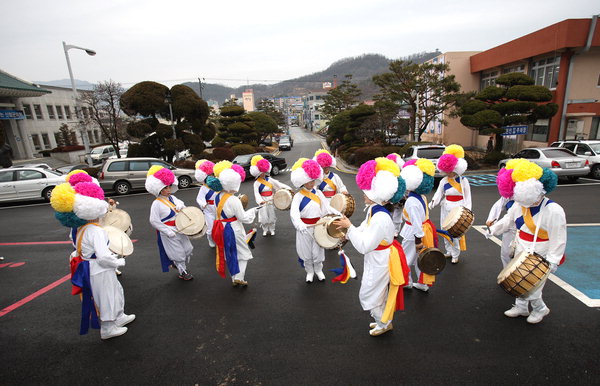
x=25, y=183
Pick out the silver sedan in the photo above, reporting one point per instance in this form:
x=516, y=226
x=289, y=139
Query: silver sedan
x=561, y=161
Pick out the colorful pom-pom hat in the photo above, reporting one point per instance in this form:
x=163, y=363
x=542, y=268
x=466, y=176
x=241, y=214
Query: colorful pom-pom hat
x=159, y=177
x=229, y=175
x=305, y=170
x=396, y=158
x=324, y=159
x=380, y=180
x=259, y=165
x=418, y=175
x=453, y=160
x=525, y=182
x=76, y=176
x=203, y=169
x=79, y=203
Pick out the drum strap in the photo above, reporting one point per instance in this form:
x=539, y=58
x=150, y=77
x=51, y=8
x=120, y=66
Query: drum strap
x=264, y=183
x=310, y=195
x=168, y=203
x=528, y=219
x=222, y=200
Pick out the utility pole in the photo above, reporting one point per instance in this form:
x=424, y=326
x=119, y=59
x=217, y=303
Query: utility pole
x=200, y=87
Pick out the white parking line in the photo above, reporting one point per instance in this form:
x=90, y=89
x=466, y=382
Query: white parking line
x=555, y=279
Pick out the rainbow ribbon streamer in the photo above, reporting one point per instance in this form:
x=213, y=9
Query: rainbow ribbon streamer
x=346, y=271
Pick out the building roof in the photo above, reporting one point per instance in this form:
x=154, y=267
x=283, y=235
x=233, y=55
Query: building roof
x=11, y=86
x=567, y=34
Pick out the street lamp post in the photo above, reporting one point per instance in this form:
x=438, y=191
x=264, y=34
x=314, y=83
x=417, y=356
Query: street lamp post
x=83, y=132
x=169, y=100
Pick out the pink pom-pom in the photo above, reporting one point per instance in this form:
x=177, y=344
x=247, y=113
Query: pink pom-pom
x=325, y=160
x=77, y=178
x=392, y=157
x=89, y=189
x=410, y=162
x=506, y=186
x=447, y=163
x=165, y=176
x=312, y=169
x=263, y=165
x=240, y=170
x=207, y=167
x=365, y=175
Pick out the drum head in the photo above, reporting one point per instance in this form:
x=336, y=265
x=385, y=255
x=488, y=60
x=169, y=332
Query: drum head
x=190, y=220
x=244, y=199
x=350, y=205
x=431, y=261
x=118, y=241
x=452, y=217
x=282, y=199
x=338, y=202
x=322, y=236
x=117, y=218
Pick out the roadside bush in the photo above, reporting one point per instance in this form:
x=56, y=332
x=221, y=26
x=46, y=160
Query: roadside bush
x=205, y=155
x=223, y=153
x=243, y=149
x=218, y=142
x=185, y=164
x=494, y=157
x=92, y=171
x=367, y=153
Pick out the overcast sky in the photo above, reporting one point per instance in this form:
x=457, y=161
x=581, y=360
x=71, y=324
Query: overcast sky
x=230, y=41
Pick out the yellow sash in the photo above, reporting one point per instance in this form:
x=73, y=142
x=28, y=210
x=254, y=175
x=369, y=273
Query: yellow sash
x=80, y=233
x=167, y=203
x=455, y=185
x=222, y=201
x=396, y=280
x=265, y=182
x=330, y=183
x=311, y=195
x=427, y=239
x=542, y=234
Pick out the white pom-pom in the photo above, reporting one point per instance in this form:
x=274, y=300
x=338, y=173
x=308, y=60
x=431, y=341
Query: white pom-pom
x=413, y=177
x=230, y=180
x=529, y=192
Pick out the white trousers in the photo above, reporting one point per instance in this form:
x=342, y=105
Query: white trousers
x=240, y=275
x=108, y=295
x=309, y=251
x=535, y=298
x=410, y=251
x=506, y=250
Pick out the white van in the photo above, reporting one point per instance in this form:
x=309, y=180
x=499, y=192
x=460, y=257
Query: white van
x=102, y=153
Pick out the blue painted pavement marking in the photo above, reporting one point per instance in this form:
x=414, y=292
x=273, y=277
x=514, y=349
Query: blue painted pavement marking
x=582, y=267
x=482, y=179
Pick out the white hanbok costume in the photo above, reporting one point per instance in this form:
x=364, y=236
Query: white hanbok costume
x=413, y=227
x=174, y=247
x=451, y=196
x=305, y=211
x=263, y=193
x=507, y=248
x=551, y=241
x=330, y=185
x=206, y=201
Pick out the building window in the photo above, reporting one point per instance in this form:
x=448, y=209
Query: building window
x=68, y=112
x=89, y=133
x=46, y=140
x=96, y=137
x=319, y=97
x=57, y=138
x=545, y=72
x=51, y=114
x=38, y=111
x=35, y=138
x=27, y=111
x=488, y=79
x=514, y=68
x=59, y=112
x=594, y=132
x=538, y=131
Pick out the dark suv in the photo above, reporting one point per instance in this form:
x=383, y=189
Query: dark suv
x=278, y=163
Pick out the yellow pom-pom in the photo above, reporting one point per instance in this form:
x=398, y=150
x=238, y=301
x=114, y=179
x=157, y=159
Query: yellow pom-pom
x=526, y=170
x=255, y=160
x=321, y=151
x=455, y=150
x=220, y=166
x=63, y=198
x=299, y=163
x=199, y=162
x=74, y=172
x=513, y=163
x=153, y=170
x=426, y=166
x=388, y=165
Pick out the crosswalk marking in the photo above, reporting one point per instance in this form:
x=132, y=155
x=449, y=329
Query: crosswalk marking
x=482, y=179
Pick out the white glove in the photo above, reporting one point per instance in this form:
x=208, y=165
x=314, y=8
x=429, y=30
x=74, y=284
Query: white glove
x=120, y=262
x=180, y=206
x=553, y=267
x=431, y=206
x=302, y=228
x=171, y=234
x=488, y=235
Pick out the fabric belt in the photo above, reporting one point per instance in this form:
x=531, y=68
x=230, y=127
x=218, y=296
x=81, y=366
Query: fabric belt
x=266, y=194
x=210, y=202
x=454, y=198
x=529, y=237
x=381, y=247
x=170, y=223
x=232, y=219
x=329, y=193
x=310, y=221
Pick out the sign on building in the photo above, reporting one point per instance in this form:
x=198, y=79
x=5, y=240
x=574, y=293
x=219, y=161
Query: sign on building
x=515, y=130
x=11, y=114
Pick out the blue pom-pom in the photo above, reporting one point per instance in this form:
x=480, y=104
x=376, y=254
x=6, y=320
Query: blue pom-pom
x=400, y=192
x=69, y=219
x=214, y=183
x=549, y=179
x=426, y=185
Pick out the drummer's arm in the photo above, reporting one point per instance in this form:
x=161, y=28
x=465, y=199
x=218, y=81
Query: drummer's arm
x=155, y=217
x=439, y=194
x=257, y=196
x=495, y=210
x=557, y=233
x=467, y=193
x=417, y=217
x=279, y=185
x=504, y=224
x=365, y=239
x=178, y=203
x=201, y=198
x=295, y=213
x=325, y=207
x=104, y=257
x=245, y=216
x=340, y=185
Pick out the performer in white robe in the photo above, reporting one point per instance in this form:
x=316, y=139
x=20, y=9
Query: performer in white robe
x=308, y=206
x=264, y=189
x=175, y=248
x=507, y=248
x=453, y=191
x=399, y=206
x=228, y=232
x=532, y=214
x=330, y=183
x=385, y=268
x=206, y=196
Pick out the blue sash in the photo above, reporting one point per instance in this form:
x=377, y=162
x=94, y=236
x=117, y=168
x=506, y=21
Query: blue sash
x=81, y=278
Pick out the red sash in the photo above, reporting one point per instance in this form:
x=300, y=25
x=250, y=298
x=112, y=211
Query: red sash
x=170, y=223
x=210, y=202
x=454, y=198
x=329, y=193
x=266, y=193
x=310, y=221
x=529, y=237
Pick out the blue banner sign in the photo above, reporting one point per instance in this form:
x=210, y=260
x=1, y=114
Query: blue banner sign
x=515, y=130
x=11, y=114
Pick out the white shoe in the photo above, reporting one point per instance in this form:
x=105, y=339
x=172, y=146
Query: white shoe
x=455, y=260
x=309, y=277
x=124, y=320
x=372, y=325
x=321, y=276
x=264, y=233
x=211, y=244
x=378, y=331
x=110, y=330
x=119, y=273
x=537, y=316
x=421, y=287
x=516, y=311
x=272, y=233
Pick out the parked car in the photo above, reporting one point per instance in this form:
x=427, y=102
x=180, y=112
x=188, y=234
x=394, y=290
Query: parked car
x=278, y=163
x=589, y=150
x=562, y=161
x=287, y=138
x=69, y=168
x=122, y=175
x=122, y=153
x=38, y=165
x=285, y=144
x=395, y=141
x=430, y=151
x=101, y=153
x=25, y=183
